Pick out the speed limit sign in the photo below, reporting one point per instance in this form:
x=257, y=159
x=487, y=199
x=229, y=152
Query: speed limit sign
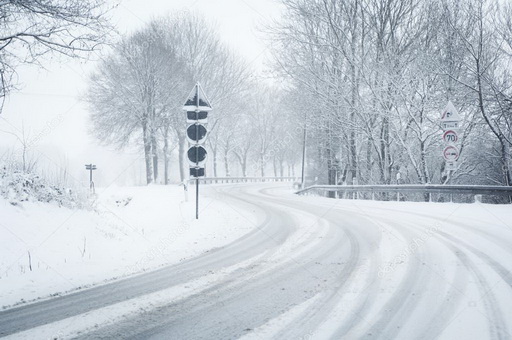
x=450, y=137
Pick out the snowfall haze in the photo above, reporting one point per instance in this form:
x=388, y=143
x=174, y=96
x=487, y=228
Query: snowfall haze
x=242, y=169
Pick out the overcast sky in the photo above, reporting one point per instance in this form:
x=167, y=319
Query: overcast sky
x=49, y=103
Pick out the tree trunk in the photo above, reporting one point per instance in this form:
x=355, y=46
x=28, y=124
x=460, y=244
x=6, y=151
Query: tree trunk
x=214, y=152
x=244, y=165
x=166, y=160
x=181, y=156
x=384, y=139
x=369, y=178
x=262, y=164
x=354, y=93
x=147, y=153
x=505, y=155
x=154, y=150
x=226, y=163
x=423, y=161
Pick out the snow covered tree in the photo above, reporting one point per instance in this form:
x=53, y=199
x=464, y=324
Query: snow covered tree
x=137, y=93
x=377, y=74
x=34, y=28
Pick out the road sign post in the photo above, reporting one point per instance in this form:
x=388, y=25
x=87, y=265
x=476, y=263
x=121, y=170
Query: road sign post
x=91, y=167
x=197, y=106
x=450, y=123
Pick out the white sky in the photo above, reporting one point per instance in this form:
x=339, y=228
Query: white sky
x=52, y=97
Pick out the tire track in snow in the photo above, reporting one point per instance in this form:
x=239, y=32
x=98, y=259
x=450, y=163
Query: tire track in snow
x=75, y=303
x=242, y=298
x=395, y=316
x=497, y=326
x=397, y=309
x=306, y=323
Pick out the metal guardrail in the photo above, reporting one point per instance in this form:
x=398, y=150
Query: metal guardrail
x=215, y=180
x=414, y=188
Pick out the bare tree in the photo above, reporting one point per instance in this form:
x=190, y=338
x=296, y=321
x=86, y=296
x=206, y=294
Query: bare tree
x=377, y=73
x=137, y=93
x=33, y=28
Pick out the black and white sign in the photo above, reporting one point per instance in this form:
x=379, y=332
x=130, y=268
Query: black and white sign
x=197, y=106
x=197, y=101
x=196, y=155
x=196, y=172
x=450, y=125
x=450, y=166
x=450, y=114
x=196, y=133
x=197, y=116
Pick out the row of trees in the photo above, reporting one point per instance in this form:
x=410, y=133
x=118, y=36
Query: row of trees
x=366, y=79
x=373, y=76
x=137, y=93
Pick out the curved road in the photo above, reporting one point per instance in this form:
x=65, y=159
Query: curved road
x=316, y=268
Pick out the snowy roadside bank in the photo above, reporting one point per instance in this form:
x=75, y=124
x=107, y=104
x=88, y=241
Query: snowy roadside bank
x=131, y=230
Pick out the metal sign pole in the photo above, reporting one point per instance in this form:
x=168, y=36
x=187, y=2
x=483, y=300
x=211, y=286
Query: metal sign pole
x=197, y=178
x=90, y=167
x=90, y=175
x=197, y=153
x=303, y=175
x=197, y=107
x=197, y=198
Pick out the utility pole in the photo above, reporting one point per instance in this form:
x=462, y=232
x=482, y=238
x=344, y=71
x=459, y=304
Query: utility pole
x=303, y=181
x=91, y=167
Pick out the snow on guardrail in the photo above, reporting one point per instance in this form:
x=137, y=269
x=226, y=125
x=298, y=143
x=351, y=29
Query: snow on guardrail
x=428, y=189
x=213, y=180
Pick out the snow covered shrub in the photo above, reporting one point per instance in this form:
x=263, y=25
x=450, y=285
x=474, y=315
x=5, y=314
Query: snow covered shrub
x=17, y=186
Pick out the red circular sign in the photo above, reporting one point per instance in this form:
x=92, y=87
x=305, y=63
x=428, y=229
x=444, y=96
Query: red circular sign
x=450, y=136
x=451, y=153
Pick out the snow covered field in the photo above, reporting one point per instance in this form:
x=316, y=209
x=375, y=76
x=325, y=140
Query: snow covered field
x=131, y=230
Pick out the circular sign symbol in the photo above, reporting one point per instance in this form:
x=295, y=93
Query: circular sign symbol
x=451, y=153
x=196, y=133
x=450, y=136
x=196, y=155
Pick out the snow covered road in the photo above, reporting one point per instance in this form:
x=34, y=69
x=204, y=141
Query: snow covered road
x=311, y=268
